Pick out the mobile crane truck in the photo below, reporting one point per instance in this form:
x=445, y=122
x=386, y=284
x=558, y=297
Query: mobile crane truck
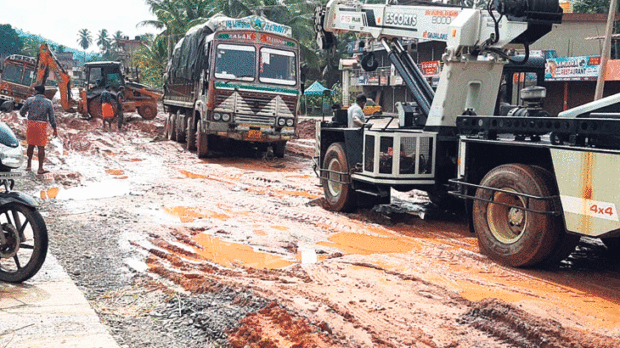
x=533, y=184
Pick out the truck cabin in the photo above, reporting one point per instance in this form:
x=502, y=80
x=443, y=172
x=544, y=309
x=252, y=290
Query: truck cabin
x=101, y=74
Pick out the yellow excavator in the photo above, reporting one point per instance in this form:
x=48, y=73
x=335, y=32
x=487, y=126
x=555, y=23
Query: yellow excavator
x=138, y=98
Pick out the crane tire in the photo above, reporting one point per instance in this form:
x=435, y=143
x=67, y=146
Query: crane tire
x=513, y=236
x=339, y=196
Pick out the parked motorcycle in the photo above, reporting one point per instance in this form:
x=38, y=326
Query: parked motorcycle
x=23, y=234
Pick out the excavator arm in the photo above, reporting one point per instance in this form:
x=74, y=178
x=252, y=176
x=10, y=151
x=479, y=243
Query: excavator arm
x=46, y=61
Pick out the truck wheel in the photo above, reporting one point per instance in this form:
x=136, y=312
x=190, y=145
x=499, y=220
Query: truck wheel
x=7, y=106
x=202, y=143
x=148, y=112
x=279, y=149
x=180, y=127
x=339, y=197
x=171, y=128
x=510, y=235
x=191, y=135
x=94, y=108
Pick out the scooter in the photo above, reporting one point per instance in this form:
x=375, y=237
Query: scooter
x=23, y=234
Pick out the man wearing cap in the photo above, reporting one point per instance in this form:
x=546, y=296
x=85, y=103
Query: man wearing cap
x=40, y=111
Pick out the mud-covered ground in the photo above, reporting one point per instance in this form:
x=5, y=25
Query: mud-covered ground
x=237, y=251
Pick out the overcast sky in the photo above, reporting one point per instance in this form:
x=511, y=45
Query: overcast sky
x=60, y=20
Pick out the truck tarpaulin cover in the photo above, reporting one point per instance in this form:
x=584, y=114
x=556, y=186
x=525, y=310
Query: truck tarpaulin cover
x=189, y=54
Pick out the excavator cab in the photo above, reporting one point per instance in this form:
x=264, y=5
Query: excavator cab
x=101, y=74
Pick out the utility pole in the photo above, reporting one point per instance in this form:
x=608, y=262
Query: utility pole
x=600, y=82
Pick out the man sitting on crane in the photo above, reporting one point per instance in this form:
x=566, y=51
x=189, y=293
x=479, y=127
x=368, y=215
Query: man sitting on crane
x=356, y=112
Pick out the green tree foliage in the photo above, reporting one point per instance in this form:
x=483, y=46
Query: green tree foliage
x=10, y=42
x=151, y=60
x=32, y=43
x=85, y=39
x=591, y=6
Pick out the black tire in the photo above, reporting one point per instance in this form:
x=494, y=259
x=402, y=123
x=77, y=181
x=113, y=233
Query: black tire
x=566, y=242
x=33, y=242
x=202, y=143
x=279, y=149
x=171, y=130
x=148, y=112
x=180, y=127
x=190, y=137
x=613, y=245
x=7, y=106
x=94, y=108
x=369, y=62
x=512, y=236
x=339, y=197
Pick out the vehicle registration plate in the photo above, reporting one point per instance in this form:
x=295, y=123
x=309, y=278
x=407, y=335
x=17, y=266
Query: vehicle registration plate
x=10, y=175
x=255, y=134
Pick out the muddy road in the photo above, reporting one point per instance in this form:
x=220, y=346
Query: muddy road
x=173, y=251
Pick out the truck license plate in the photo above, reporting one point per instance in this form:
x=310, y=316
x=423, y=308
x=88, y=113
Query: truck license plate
x=255, y=134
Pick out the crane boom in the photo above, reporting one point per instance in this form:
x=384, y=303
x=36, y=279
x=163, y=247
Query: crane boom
x=473, y=59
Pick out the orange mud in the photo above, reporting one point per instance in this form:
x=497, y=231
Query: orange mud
x=114, y=172
x=252, y=164
x=50, y=194
x=230, y=254
x=274, y=327
x=192, y=175
x=362, y=244
x=190, y=214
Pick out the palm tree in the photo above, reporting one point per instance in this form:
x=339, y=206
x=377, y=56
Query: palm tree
x=103, y=41
x=84, y=40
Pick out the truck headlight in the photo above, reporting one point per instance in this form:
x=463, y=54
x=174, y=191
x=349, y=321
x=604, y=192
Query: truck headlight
x=290, y=122
x=281, y=122
x=217, y=116
x=12, y=157
x=225, y=117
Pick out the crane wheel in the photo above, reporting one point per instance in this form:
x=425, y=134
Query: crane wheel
x=511, y=235
x=339, y=196
x=148, y=112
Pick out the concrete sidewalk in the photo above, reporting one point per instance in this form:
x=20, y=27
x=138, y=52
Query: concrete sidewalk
x=49, y=311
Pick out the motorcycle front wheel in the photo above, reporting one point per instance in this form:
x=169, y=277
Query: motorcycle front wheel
x=23, y=243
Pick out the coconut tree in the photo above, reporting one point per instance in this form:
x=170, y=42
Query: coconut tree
x=84, y=40
x=151, y=59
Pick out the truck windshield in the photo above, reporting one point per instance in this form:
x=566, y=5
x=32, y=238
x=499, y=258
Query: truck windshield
x=29, y=77
x=277, y=67
x=13, y=73
x=235, y=62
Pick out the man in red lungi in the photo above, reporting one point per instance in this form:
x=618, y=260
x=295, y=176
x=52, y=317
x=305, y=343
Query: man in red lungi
x=40, y=111
x=107, y=110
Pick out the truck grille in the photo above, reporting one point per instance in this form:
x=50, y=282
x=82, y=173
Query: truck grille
x=255, y=108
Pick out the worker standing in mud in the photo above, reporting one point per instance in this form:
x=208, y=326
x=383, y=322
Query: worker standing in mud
x=356, y=112
x=40, y=111
x=107, y=111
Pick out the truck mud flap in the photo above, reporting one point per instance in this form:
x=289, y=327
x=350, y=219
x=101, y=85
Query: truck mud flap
x=555, y=200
